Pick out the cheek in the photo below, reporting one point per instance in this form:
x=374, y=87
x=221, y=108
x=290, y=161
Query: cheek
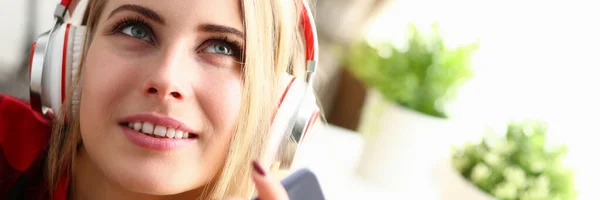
x=105, y=80
x=221, y=104
x=220, y=96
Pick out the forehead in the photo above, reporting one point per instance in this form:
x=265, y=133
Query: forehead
x=188, y=12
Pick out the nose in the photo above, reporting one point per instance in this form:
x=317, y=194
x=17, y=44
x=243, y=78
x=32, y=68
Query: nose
x=167, y=80
x=164, y=93
x=166, y=84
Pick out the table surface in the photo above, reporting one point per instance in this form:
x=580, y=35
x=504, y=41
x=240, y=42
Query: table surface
x=333, y=153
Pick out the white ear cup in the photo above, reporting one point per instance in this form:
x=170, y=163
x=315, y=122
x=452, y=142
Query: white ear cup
x=54, y=76
x=306, y=114
x=290, y=96
x=297, y=110
x=61, y=64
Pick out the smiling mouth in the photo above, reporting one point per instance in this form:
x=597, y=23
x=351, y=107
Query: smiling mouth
x=158, y=131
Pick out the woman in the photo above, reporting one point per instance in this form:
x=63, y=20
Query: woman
x=197, y=69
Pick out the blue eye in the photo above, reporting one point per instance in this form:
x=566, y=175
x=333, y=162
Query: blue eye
x=219, y=48
x=139, y=31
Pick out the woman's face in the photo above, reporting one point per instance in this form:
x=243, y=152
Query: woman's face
x=157, y=72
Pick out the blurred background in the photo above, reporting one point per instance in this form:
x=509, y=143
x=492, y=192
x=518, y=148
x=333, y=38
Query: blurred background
x=432, y=99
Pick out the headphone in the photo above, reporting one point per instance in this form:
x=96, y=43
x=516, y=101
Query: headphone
x=56, y=55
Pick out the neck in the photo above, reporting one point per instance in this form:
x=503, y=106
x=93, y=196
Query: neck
x=89, y=183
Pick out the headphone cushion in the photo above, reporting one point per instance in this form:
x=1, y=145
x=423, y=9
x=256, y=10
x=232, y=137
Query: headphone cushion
x=76, y=62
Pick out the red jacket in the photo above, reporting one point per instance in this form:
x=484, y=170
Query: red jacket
x=24, y=138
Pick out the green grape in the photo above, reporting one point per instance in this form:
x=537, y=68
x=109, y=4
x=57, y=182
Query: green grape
x=461, y=163
x=506, y=190
x=536, y=193
x=555, y=197
x=537, y=165
x=543, y=181
x=480, y=173
x=535, y=170
x=494, y=160
x=516, y=176
x=504, y=147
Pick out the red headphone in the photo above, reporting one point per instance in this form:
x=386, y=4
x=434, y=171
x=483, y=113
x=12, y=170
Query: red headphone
x=55, y=61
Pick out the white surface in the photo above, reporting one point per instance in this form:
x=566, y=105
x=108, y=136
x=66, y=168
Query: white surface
x=332, y=153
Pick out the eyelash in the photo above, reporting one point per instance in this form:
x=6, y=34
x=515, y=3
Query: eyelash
x=236, y=47
x=125, y=22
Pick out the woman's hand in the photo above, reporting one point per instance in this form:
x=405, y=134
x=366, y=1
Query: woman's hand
x=267, y=187
x=49, y=115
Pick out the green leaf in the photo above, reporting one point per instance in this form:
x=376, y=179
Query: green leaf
x=425, y=77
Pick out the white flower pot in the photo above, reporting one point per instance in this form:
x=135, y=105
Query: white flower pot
x=402, y=147
x=455, y=187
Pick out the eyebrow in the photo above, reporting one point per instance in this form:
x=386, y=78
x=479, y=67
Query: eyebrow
x=146, y=12
x=214, y=28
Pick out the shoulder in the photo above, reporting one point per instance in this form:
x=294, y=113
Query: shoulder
x=24, y=137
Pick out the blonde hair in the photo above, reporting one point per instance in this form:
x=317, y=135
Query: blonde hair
x=273, y=32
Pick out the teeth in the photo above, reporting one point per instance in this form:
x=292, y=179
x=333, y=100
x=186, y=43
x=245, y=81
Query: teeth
x=170, y=132
x=178, y=134
x=137, y=126
x=147, y=128
x=160, y=131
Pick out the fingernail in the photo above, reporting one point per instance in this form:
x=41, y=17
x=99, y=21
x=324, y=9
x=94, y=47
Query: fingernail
x=258, y=168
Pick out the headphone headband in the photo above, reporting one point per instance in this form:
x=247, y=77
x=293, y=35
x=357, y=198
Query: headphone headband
x=311, y=41
x=310, y=32
x=61, y=9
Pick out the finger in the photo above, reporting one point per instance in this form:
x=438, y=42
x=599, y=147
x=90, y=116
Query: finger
x=50, y=115
x=268, y=188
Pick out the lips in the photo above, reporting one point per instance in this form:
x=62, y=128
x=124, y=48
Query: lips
x=157, y=132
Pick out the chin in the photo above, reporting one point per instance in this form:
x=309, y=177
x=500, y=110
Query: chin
x=152, y=182
x=150, y=175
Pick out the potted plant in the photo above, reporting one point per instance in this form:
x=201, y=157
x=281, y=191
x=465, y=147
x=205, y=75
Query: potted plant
x=520, y=165
x=404, y=115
